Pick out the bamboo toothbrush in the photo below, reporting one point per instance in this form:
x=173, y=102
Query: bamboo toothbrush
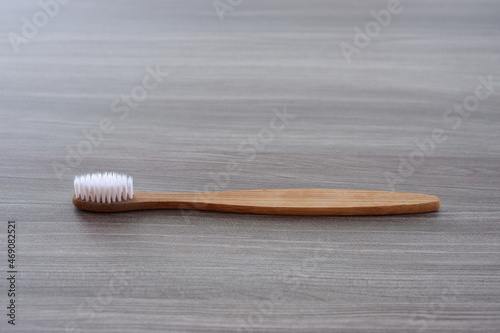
x=111, y=192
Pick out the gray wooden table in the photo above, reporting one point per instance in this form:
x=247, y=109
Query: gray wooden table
x=185, y=96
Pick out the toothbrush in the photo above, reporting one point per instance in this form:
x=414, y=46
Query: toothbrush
x=111, y=192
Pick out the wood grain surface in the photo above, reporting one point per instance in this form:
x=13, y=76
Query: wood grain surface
x=183, y=101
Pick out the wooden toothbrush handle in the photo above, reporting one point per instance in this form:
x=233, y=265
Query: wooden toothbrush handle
x=280, y=202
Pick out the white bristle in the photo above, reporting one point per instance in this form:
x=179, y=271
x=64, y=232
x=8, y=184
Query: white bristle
x=105, y=187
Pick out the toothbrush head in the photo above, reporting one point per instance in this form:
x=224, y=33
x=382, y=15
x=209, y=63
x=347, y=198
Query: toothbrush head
x=105, y=187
